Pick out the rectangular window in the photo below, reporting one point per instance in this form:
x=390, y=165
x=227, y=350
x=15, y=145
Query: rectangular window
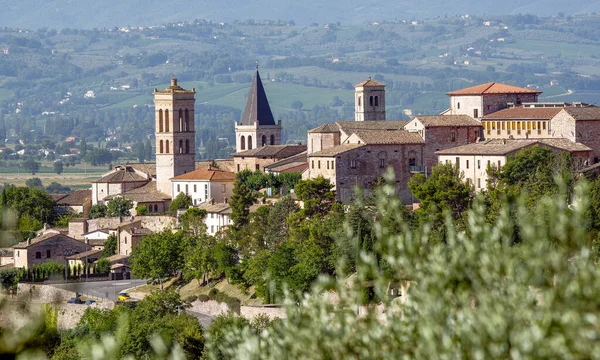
x=475, y=113
x=529, y=125
x=457, y=162
x=125, y=240
x=312, y=164
x=223, y=188
x=319, y=164
x=257, y=166
x=499, y=165
x=178, y=188
x=17, y=254
x=38, y=255
x=186, y=188
x=238, y=167
x=195, y=190
x=352, y=164
x=412, y=161
x=478, y=164
x=212, y=215
x=212, y=228
x=327, y=164
x=48, y=254
x=503, y=125
x=206, y=192
x=489, y=163
x=544, y=125
x=453, y=136
x=381, y=163
x=467, y=164
x=479, y=183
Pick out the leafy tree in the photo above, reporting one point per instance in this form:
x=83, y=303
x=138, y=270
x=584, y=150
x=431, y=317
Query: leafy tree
x=443, y=191
x=34, y=183
x=110, y=246
x=198, y=259
x=317, y=195
x=31, y=165
x=99, y=157
x=192, y=220
x=181, y=201
x=56, y=188
x=226, y=258
x=98, y=211
x=102, y=267
x=28, y=202
x=119, y=206
x=241, y=200
x=141, y=210
x=158, y=256
x=83, y=148
x=277, y=227
x=58, y=167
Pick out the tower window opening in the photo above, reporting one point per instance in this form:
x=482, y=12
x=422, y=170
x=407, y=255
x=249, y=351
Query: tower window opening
x=167, y=121
x=187, y=120
x=161, y=147
x=376, y=100
x=243, y=143
x=264, y=140
x=371, y=101
x=249, y=142
x=160, y=120
x=272, y=139
x=359, y=100
x=180, y=120
x=181, y=146
x=187, y=146
x=167, y=147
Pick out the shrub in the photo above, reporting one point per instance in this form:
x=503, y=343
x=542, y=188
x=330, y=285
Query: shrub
x=203, y=297
x=212, y=293
x=190, y=298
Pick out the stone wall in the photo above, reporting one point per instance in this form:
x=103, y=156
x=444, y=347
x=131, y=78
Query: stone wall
x=248, y=162
x=250, y=312
x=321, y=141
x=210, y=307
x=588, y=133
x=440, y=138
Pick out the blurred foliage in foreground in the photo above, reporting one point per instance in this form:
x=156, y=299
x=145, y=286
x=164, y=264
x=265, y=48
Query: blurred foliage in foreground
x=477, y=294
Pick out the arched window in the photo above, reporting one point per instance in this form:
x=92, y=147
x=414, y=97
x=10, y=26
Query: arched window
x=161, y=146
x=243, y=143
x=249, y=142
x=160, y=120
x=264, y=140
x=167, y=122
x=155, y=208
x=359, y=100
x=371, y=101
x=272, y=139
x=376, y=100
x=181, y=146
x=167, y=143
x=187, y=120
x=187, y=146
x=180, y=120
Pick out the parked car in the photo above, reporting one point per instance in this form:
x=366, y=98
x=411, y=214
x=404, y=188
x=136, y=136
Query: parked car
x=90, y=302
x=124, y=296
x=75, y=300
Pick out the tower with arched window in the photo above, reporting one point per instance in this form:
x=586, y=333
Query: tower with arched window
x=369, y=98
x=175, y=134
x=257, y=127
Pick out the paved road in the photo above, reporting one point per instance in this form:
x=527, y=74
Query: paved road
x=101, y=288
x=203, y=319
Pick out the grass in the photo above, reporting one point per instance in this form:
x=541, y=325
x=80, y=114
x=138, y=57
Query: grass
x=246, y=298
x=551, y=48
x=6, y=94
x=76, y=177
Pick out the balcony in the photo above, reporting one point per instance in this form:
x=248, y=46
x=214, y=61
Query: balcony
x=417, y=169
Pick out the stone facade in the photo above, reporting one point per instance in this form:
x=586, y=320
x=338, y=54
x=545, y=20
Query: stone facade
x=318, y=141
x=175, y=134
x=252, y=136
x=478, y=106
x=48, y=247
x=369, y=101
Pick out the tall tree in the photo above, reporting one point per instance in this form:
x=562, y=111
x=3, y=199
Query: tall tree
x=192, y=221
x=58, y=167
x=110, y=246
x=317, y=195
x=83, y=148
x=182, y=201
x=241, y=200
x=158, y=256
x=119, y=206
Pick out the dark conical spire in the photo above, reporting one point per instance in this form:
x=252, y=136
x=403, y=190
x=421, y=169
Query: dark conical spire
x=257, y=107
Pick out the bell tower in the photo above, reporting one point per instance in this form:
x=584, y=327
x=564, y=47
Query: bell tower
x=369, y=100
x=257, y=127
x=175, y=134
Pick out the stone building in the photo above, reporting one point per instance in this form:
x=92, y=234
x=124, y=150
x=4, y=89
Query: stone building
x=51, y=246
x=204, y=184
x=218, y=216
x=474, y=159
x=480, y=100
x=369, y=101
x=259, y=158
x=118, y=181
x=78, y=202
x=257, y=127
x=175, y=134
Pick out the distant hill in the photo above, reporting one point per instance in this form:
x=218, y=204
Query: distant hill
x=87, y=14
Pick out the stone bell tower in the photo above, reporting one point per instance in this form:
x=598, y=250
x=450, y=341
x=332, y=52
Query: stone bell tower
x=369, y=100
x=175, y=134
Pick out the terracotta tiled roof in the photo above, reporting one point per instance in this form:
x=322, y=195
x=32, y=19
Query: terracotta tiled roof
x=121, y=175
x=89, y=253
x=217, y=208
x=369, y=82
x=76, y=198
x=326, y=128
x=389, y=137
x=291, y=164
x=507, y=147
x=146, y=193
x=222, y=164
x=273, y=151
x=447, y=120
x=350, y=126
x=118, y=258
x=207, y=174
x=520, y=113
x=146, y=168
x=493, y=88
x=57, y=197
x=336, y=150
x=585, y=113
x=45, y=237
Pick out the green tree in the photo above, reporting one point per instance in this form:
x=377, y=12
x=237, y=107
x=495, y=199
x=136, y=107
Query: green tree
x=56, y=188
x=158, y=256
x=181, y=201
x=110, y=246
x=34, y=183
x=58, y=167
x=192, y=221
x=141, y=210
x=31, y=165
x=28, y=202
x=241, y=200
x=198, y=259
x=277, y=226
x=119, y=206
x=102, y=267
x=98, y=211
x=83, y=148
x=317, y=195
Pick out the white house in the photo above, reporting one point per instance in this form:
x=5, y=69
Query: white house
x=217, y=216
x=204, y=184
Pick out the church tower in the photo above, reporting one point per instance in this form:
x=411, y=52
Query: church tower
x=175, y=134
x=369, y=100
x=257, y=127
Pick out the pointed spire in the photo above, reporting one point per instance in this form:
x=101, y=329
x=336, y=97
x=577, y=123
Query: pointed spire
x=257, y=107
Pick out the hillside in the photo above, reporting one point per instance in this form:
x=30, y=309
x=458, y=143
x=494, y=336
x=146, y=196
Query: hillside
x=87, y=14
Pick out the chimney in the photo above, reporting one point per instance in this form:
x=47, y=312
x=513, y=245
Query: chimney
x=173, y=81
